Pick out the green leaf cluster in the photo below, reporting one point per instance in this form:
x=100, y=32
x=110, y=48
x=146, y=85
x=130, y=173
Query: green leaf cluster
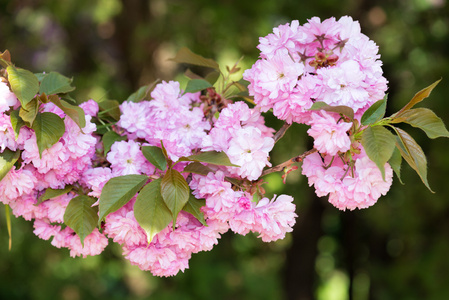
x=382, y=145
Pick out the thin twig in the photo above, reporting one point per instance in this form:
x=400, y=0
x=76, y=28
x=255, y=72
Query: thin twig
x=289, y=162
x=281, y=132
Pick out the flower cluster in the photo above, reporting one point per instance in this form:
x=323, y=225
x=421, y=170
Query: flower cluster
x=334, y=63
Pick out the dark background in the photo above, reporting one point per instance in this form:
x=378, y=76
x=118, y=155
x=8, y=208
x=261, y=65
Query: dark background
x=397, y=249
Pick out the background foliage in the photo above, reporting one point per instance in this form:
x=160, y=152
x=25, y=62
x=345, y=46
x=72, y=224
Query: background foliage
x=395, y=250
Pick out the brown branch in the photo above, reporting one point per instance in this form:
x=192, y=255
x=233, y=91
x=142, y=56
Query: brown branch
x=289, y=162
x=281, y=132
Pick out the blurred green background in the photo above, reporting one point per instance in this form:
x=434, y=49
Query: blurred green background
x=397, y=249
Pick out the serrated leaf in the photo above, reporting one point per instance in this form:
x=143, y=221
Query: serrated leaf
x=16, y=122
x=118, y=191
x=196, y=85
x=7, y=160
x=55, y=83
x=193, y=207
x=211, y=157
x=74, y=112
x=49, y=128
x=52, y=193
x=341, y=109
x=395, y=162
x=109, y=138
x=23, y=83
x=413, y=154
x=186, y=56
x=111, y=108
x=419, y=96
x=81, y=216
x=197, y=168
x=28, y=112
x=155, y=156
x=375, y=112
x=175, y=192
x=150, y=210
x=426, y=120
x=379, y=144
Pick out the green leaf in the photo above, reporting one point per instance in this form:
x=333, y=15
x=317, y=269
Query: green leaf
x=111, y=108
x=16, y=122
x=52, y=193
x=118, y=191
x=150, y=210
x=23, y=83
x=196, y=85
x=426, y=120
x=155, y=156
x=109, y=138
x=341, y=109
x=193, y=206
x=40, y=76
x=142, y=93
x=74, y=112
x=379, y=145
x=375, y=112
x=211, y=157
x=212, y=77
x=413, y=154
x=419, y=96
x=48, y=128
x=186, y=56
x=55, y=83
x=81, y=216
x=175, y=192
x=395, y=162
x=28, y=112
x=197, y=168
x=7, y=160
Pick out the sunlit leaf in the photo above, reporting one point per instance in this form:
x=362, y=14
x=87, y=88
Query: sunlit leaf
x=413, y=154
x=211, y=157
x=175, y=192
x=155, y=156
x=426, y=120
x=395, y=162
x=16, y=122
x=52, y=193
x=8, y=225
x=118, y=191
x=55, y=83
x=375, y=112
x=379, y=144
x=81, y=216
x=341, y=109
x=74, y=112
x=109, y=138
x=7, y=160
x=193, y=206
x=196, y=85
x=28, y=112
x=186, y=56
x=49, y=128
x=150, y=210
x=142, y=93
x=23, y=83
x=419, y=96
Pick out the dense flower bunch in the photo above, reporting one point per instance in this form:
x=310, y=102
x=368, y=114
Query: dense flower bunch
x=166, y=172
x=334, y=63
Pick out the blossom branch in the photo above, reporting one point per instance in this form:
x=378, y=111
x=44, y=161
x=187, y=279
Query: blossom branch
x=289, y=162
x=281, y=132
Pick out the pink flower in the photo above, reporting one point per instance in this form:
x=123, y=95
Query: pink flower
x=329, y=137
x=7, y=98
